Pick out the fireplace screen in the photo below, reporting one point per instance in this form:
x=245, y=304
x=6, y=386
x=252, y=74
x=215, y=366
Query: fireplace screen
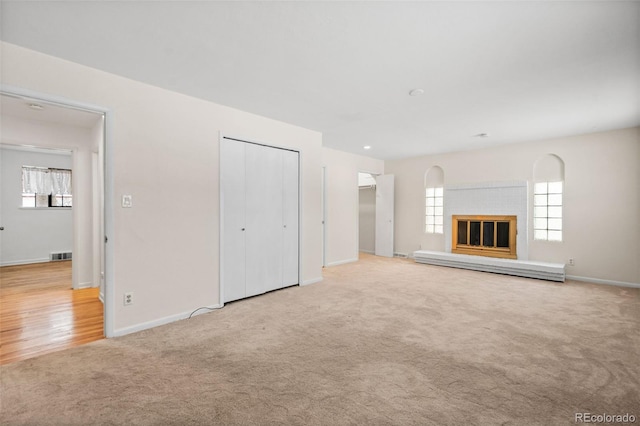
x=485, y=235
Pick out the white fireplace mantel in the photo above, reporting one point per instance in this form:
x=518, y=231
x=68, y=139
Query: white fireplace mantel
x=489, y=198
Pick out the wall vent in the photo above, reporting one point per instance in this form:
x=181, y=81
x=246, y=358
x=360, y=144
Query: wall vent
x=403, y=255
x=60, y=256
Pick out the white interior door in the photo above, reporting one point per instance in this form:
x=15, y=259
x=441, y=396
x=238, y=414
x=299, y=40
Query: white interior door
x=384, y=215
x=264, y=209
x=1, y=227
x=324, y=217
x=232, y=189
x=290, y=228
x=2, y=206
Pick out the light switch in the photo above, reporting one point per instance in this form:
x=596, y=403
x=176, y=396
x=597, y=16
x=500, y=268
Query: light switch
x=127, y=201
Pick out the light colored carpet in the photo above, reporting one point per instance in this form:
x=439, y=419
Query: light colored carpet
x=381, y=341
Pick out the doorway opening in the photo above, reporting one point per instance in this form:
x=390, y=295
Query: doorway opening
x=375, y=214
x=65, y=298
x=366, y=213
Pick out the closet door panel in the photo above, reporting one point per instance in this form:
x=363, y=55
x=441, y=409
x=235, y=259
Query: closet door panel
x=290, y=228
x=384, y=215
x=264, y=238
x=232, y=187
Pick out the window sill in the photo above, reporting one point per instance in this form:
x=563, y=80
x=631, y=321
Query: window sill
x=45, y=208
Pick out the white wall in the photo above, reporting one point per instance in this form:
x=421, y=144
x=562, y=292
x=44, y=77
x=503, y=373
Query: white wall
x=98, y=191
x=83, y=218
x=367, y=219
x=601, y=198
x=342, y=202
x=165, y=153
x=30, y=235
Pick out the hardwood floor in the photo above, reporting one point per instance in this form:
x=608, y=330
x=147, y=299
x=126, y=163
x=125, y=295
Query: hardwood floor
x=39, y=313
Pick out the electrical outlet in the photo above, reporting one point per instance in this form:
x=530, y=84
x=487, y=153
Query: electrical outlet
x=128, y=299
x=572, y=262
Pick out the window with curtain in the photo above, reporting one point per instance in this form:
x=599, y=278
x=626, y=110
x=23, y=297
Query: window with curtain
x=46, y=187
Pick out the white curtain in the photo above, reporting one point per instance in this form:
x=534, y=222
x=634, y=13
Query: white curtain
x=37, y=180
x=60, y=181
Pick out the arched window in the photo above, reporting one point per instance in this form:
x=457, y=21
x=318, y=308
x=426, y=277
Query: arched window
x=434, y=200
x=548, y=187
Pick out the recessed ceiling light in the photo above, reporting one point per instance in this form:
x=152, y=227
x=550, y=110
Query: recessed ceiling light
x=482, y=135
x=416, y=92
x=366, y=147
x=37, y=107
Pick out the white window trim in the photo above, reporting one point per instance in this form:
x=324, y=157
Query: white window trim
x=547, y=196
x=434, y=203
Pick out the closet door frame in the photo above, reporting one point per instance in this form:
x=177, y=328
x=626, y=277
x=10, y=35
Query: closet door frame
x=291, y=218
x=221, y=211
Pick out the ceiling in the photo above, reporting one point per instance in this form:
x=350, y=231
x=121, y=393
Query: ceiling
x=516, y=70
x=36, y=110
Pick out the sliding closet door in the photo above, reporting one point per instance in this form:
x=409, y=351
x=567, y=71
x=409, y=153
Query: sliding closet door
x=290, y=218
x=232, y=191
x=264, y=208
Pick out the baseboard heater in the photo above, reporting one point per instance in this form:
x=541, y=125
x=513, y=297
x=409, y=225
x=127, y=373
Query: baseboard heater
x=60, y=256
x=520, y=268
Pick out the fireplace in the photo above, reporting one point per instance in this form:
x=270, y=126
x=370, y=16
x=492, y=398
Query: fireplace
x=493, y=236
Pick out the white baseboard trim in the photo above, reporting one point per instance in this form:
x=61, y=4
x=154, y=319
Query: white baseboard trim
x=312, y=281
x=601, y=281
x=342, y=262
x=101, y=297
x=88, y=284
x=368, y=251
x=24, y=262
x=162, y=321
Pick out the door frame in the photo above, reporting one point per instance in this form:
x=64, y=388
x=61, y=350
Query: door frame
x=221, y=136
x=107, y=143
